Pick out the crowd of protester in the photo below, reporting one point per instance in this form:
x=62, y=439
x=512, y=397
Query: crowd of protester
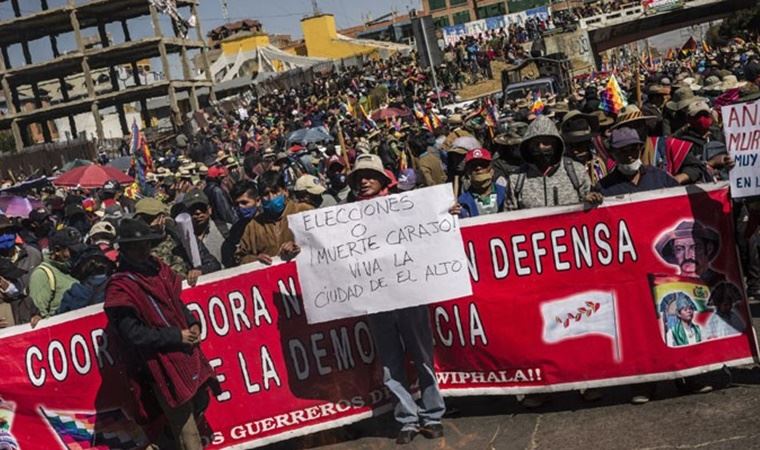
x=355, y=135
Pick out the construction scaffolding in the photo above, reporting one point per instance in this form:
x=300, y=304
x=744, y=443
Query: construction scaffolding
x=36, y=93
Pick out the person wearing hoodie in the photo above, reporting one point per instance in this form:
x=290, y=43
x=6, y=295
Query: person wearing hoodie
x=92, y=268
x=402, y=331
x=548, y=177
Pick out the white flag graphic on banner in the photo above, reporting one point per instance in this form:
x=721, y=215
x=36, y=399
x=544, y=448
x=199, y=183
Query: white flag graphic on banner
x=591, y=312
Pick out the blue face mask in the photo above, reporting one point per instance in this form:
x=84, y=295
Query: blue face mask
x=247, y=213
x=7, y=241
x=275, y=206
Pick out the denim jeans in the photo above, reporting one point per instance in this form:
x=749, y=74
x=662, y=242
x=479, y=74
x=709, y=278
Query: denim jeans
x=396, y=333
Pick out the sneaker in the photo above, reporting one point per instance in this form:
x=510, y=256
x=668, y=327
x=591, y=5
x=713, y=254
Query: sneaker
x=639, y=399
x=432, y=431
x=591, y=395
x=406, y=436
x=534, y=401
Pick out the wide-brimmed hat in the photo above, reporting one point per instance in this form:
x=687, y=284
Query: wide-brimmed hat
x=658, y=89
x=68, y=237
x=686, y=228
x=603, y=119
x=368, y=162
x=630, y=115
x=455, y=119
x=575, y=127
x=681, y=99
x=731, y=82
x=133, y=230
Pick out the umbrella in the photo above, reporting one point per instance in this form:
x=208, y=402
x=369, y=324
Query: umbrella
x=389, y=113
x=122, y=163
x=74, y=164
x=309, y=135
x=15, y=206
x=466, y=142
x=91, y=177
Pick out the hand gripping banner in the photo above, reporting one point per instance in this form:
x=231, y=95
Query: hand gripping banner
x=643, y=288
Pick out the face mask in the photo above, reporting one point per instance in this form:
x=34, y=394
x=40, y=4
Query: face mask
x=481, y=181
x=247, y=213
x=7, y=241
x=542, y=158
x=629, y=169
x=275, y=206
x=702, y=123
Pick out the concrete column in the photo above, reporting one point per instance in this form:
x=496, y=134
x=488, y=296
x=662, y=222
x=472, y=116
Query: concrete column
x=122, y=118
x=17, y=135
x=173, y=105
x=125, y=30
x=194, y=99
x=204, y=53
x=16, y=9
x=73, y=127
x=86, y=71
x=144, y=111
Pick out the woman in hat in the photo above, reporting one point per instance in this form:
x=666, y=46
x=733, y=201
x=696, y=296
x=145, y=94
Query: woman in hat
x=168, y=373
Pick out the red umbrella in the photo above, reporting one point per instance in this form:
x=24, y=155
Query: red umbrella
x=91, y=177
x=389, y=113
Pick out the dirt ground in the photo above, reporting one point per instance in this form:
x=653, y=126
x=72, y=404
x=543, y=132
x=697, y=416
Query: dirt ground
x=484, y=86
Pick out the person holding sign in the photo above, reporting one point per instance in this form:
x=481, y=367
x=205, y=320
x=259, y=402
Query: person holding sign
x=267, y=234
x=400, y=331
x=484, y=195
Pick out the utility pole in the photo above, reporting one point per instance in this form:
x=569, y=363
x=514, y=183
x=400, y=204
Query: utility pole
x=225, y=11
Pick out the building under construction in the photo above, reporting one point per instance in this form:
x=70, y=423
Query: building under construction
x=104, y=72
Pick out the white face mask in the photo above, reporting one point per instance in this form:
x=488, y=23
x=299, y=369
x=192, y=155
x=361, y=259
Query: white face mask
x=629, y=169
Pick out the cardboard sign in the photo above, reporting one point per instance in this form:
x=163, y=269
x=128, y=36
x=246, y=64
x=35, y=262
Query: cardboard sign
x=741, y=125
x=382, y=254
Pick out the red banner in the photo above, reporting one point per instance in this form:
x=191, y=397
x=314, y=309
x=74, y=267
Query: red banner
x=641, y=289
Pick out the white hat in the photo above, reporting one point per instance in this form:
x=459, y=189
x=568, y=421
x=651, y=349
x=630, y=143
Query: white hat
x=310, y=184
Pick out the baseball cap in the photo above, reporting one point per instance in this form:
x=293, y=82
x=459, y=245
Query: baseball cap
x=112, y=186
x=407, y=179
x=216, y=172
x=68, y=237
x=477, y=153
x=310, y=184
x=623, y=137
x=195, y=197
x=151, y=207
x=102, y=227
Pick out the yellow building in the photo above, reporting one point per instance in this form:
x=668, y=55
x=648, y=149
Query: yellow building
x=244, y=42
x=323, y=41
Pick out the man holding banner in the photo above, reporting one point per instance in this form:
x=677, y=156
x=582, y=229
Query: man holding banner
x=400, y=331
x=169, y=374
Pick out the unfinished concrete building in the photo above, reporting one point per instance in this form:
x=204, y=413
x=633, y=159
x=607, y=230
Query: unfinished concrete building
x=98, y=74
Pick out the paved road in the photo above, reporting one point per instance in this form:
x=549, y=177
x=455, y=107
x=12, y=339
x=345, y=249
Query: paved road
x=728, y=418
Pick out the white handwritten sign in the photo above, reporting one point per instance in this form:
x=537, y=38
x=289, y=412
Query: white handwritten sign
x=741, y=124
x=377, y=255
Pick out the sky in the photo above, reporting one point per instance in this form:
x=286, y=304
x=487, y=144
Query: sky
x=284, y=16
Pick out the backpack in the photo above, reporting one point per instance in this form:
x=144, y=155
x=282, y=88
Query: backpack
x=567, y=163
